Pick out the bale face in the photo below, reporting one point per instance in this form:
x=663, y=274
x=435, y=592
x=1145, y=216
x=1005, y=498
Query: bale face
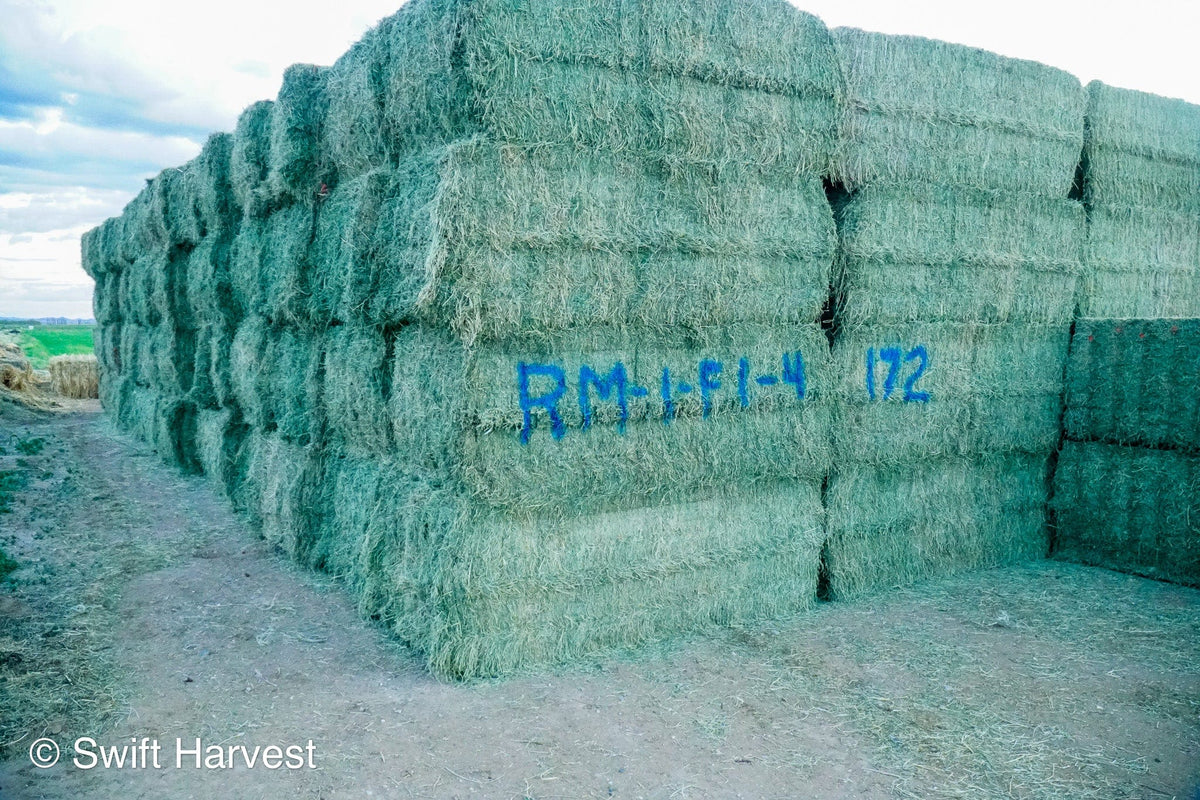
x=585, y=420
x=591, y=240
x=1130, y=509
x=296, y=167
x=899, y=526
x=249, y=159
x=917, y=253
x=220, y=448
x=485, y=593
x=1135, y=382
x=927, y=391
x=1141, y=150
x=922, y=110
x=1141, y=262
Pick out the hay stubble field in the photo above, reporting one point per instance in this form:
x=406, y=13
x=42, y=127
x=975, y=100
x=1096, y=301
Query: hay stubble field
x=144, y=607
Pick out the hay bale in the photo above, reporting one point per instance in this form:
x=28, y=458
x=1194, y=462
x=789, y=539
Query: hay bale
x=923, y=110
x=1141, y=150
x=946, y=389
x=580, y=240
x=923, y=520
x=246, y=268
x=76, y=376
x=686, y=83
x=1135, y=381
x=344, y=268
x=106, y=307
x=1141, y=262
x=928, y=253
x=108, y=348
x=485, y=593
x=149, y=292
x=209, y=282
x=1131, y=509
x=296, y=166
x=249, y=157
x=358, y=379
x=220, y=445
x=461, y=412
x=276, y=375
x=354, y=138
x=219, y=213
x=284, y=492
x=287, y=277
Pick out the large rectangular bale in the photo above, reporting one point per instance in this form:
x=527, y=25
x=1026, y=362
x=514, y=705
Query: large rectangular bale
x=602, y=419
x=296, y=166
x=1131, y=509
x=484, y=592
x=166, y=423
x=209, y=284
x=1135, y=381
x=175, y=200
x=496, y=241
x=246, y=276
x=692, y=82
x=219, y=213
x=284, y=491
x=220, y=447
x=1141, y=262
x=929, y=253
x=288, y=295
x=1141, y=150
x=276, y=376
x=106, y=306
x=249, y=159
x=928, y=111
x=906, y=523
x=107, y=341
x=919, y=391
x=149, y=292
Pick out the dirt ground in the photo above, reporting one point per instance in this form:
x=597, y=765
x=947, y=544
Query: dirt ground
x=146, y=608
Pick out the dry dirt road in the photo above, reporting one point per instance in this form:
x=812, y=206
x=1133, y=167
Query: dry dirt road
x=146, y=610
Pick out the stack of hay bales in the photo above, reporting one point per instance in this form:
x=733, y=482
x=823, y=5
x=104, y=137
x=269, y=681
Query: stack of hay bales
x=960, y=251
x=152, y=267
x=1127, y=487
x=522, y=312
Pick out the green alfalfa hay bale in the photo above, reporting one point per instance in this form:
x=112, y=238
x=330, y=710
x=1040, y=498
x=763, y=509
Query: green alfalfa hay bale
x=149, y=302
x=903, y=524
x=923, y=110
x=249, y=159
x=108, y=348
x=116, y=394
x=683, y=83
x=343, y=253
x=174, y=201
x=358, y=376
x=209, y=284
x=1141, y=262
x=354, y=139
x=1131, y=509
x=592, y=239
x=220, y=364
x=246, y=267
x=106, y=307
x=277, y=376
x=219, y=214
x=456, y=411
x=220, y=440
x=1141, y=150
x=296, y=165
x=984, y=389
x=932, y=253
x=136, y=354
x=287, y=275
x=655, y=576
x=284, y=491
x=1135, y=381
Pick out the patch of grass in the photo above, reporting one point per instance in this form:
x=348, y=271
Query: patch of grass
x=7, y=566
x=31, y=447
x=43, y=342
x=10, y=481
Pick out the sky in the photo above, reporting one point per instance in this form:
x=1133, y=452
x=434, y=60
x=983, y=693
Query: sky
x=97, y=97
